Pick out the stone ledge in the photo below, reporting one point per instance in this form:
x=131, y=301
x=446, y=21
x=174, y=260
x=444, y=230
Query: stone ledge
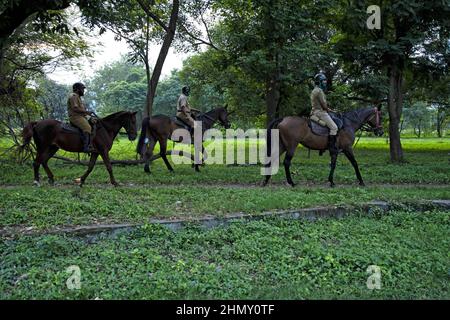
x=213, y=222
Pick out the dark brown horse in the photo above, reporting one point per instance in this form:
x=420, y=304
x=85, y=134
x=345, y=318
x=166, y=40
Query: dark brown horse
x=295, y=130
x=50, y=136
x=160, y=128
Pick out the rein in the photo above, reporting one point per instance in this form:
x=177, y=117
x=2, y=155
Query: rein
x=364, y=125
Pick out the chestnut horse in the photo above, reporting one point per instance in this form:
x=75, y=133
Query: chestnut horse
x=160, y=128
x=295, y=130
x=50, y=136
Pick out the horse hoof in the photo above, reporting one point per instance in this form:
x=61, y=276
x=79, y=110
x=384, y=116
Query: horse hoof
x=78, y=181
x=332, y=185
x=362, y=184
x=36, y=183
x=290, y=184
x=115, y=184
x=51, y=182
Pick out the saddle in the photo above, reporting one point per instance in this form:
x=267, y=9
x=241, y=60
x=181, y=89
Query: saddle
x=69, y=128
x=181, y=123
x=319, y=128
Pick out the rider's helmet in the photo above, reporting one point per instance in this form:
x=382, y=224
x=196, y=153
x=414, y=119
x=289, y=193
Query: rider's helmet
x=186, y=90
x=78, y=86
x=320, y=79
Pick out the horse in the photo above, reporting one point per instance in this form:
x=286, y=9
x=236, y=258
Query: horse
x=160, y=128
x=294, y=130
x=51, y=135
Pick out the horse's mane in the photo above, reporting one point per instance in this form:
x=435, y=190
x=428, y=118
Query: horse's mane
x=114, y=115
x=214, y=110
x=354, y=115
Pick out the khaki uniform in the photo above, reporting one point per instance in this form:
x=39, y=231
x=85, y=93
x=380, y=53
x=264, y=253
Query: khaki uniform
x=184, y=111
x=76, y=109
x=318, y=113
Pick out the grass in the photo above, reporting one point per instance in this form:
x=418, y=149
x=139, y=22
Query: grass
x=48, y=207
x=218, y=189
x=269, y=259
x=427, y=163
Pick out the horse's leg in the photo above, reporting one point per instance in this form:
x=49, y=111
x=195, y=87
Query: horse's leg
x=163, y=151
x=149, y=154
x=36, y=164
x=194, y=165
x=287, y=164
x=92, y=162
x=105, y=157
x=204, y=155
x=51, y=153
x=351, y=157
x=334, y=156
x=267, y=177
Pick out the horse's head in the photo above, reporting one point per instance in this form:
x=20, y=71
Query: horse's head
x=223, y=117
x=375, y=122
x=129, y=124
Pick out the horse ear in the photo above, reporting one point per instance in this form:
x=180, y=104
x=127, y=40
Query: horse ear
x=379, y=107
x=226, y=107
x=134, y=113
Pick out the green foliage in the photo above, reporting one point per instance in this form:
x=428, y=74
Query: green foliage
x=118, y=86
x=267, y=259
x=143, y=195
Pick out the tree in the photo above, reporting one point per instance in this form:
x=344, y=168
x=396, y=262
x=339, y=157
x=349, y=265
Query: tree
x=418, y=116
x=413, y=37
x=139, y=22
x=52, y=97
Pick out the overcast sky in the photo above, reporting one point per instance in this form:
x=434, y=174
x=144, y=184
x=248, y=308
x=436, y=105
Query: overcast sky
x=107, y=50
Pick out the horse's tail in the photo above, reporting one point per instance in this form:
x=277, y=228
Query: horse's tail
x=143, y=136
x=271, y=126
x=27, y=134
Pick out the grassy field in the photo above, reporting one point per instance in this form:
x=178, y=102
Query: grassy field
x=270, y=259
x=273, y=258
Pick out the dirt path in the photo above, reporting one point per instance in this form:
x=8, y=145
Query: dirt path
x=235, y=185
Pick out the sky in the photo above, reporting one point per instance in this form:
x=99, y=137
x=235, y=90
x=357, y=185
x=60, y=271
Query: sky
x=107, y=50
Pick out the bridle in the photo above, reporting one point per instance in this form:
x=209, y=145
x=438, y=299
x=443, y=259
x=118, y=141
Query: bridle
x=367, y=127
x=128, y=126
x=205, y=115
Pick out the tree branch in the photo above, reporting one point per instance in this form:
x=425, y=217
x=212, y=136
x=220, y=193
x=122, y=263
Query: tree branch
x=149, y=13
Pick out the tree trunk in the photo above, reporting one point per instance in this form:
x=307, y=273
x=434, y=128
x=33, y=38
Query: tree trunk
x=395, y=106
x=273, y=86
x=168, y=38
x=439, y=122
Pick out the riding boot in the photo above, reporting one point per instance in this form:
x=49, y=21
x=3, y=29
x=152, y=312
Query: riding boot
x=332, y=144
x=87, y=142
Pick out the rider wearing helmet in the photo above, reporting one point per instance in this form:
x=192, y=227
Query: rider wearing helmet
x=77, y=115
x=320, y=108
x=183, y=109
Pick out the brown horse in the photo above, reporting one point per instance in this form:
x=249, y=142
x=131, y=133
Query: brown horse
x=51, y=135
x=295, y=130
x=160, y=128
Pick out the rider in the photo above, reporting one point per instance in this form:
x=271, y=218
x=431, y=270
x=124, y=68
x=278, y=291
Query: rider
x=183, y=109
x=77, y=115
x=320, y=108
